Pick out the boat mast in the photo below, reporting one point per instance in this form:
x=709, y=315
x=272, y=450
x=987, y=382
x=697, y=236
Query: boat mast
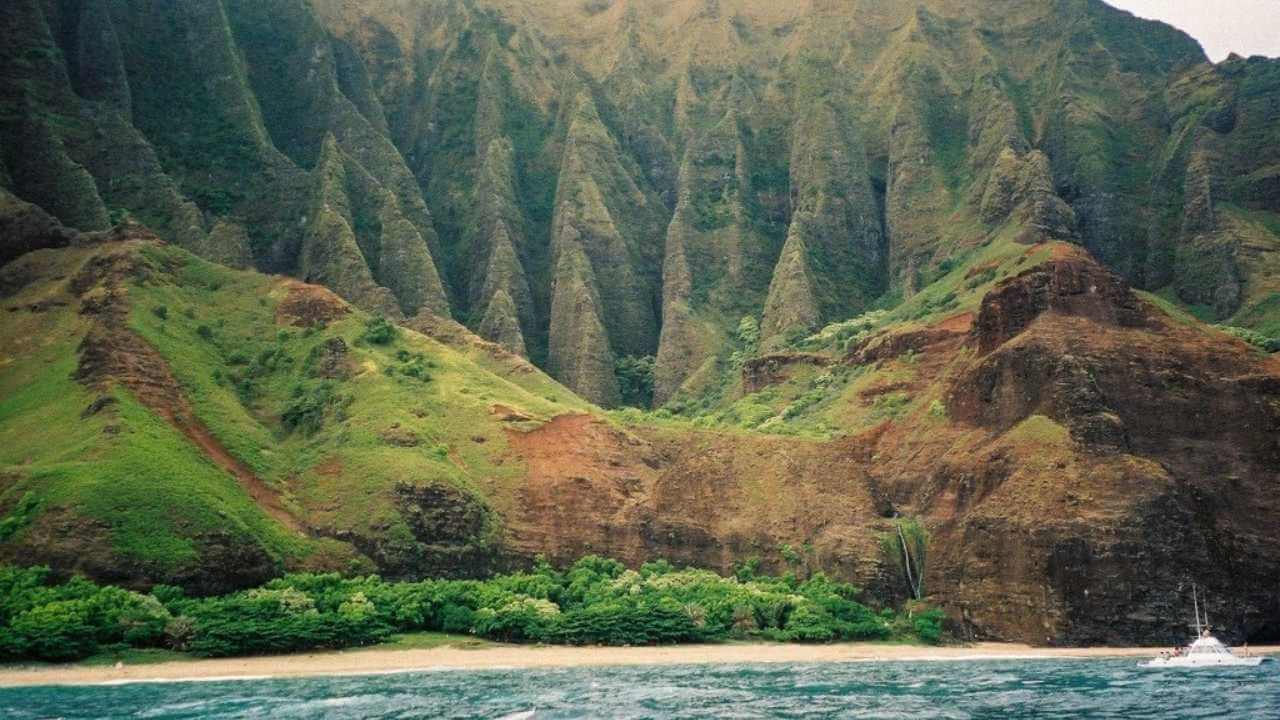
x=1195, y=599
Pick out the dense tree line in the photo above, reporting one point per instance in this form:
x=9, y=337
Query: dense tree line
x=596, y=601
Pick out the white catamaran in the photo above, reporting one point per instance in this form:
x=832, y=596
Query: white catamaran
x=1205, y=651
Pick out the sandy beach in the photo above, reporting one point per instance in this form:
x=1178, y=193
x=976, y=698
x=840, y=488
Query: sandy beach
x=375, y=661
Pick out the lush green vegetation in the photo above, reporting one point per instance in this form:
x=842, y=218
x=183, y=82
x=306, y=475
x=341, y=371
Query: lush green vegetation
x=379, y=331
x=908, y=548
x=635, y=380
x=595, y=601
x=141, y=486
x=842, y=336
x=1253, y=337
x=304, y=408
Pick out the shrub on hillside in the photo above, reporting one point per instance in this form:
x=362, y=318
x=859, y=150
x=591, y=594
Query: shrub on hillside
x=1253, y=337
x=635, y=380
x=411, y=365
x=748, y=331
x=928, y=625
x=21, y=514
x=379, y=331
x=310, y=404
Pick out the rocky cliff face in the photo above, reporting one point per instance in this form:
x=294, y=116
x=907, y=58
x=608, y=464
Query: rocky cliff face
x=1137, y=401
x=602, y=240
x=834, y=260
x=797, y=164
x=1079, y=477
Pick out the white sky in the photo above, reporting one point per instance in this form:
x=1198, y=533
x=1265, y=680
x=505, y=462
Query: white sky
x=1245, y=27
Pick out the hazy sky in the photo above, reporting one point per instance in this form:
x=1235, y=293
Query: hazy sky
x=1246, y=27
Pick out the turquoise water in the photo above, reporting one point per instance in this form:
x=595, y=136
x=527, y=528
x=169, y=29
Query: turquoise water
x=974, y=689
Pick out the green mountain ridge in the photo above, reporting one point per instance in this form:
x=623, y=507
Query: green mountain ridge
x=851, y=265
x=712, y=160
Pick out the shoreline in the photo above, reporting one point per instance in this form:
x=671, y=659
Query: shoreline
x=374, y=661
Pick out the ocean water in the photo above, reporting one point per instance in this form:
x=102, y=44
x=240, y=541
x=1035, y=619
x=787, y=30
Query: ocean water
x=970, y=689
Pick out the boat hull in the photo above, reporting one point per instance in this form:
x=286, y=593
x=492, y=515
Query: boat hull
x=1195, y=663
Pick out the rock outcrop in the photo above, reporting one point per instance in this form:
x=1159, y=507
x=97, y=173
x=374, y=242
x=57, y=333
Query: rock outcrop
x=1139, y=403
x=25, y=227
x=1021, y=187
x=1070, y=286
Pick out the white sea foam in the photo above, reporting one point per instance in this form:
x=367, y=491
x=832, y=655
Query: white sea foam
x=292, y=676
x=138, y=681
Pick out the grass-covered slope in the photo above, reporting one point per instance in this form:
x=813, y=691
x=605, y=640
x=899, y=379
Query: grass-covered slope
x=166, y=418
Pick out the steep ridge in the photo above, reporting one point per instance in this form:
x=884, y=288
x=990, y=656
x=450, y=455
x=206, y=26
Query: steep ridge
x=872, y=145
x=330, y=251
x=944, y=263
x=714, y=257
x=601, y=244
x=499, y=283
x=833, y=263
x=1219, y=171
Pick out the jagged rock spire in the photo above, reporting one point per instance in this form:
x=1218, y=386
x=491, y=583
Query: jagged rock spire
x=603, y=236
x=833, y=263
x=496, y=248
x=331, y=254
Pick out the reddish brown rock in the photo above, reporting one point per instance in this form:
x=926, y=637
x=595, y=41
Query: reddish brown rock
x=310, y=306
x=1093, y=457
x=761, y=372
x=1074, y=285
